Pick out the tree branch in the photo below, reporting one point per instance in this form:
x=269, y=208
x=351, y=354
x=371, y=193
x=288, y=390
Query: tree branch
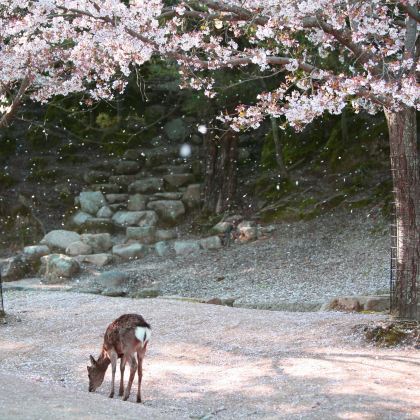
x=7, y=117
x=411, y=11
x=241, y=61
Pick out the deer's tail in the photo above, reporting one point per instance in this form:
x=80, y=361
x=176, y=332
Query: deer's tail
x=143, y=333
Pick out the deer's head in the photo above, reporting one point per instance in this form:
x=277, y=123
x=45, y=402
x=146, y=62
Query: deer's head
x=96, y=374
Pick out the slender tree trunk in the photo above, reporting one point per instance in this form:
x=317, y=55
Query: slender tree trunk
x=405, y=172
x=8, y=116
x=221, y=172
x=279, y=149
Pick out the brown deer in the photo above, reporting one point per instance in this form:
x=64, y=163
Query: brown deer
x=127, y=335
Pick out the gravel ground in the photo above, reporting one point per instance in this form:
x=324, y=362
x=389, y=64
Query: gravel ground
x=204, y=361
x=302, y=265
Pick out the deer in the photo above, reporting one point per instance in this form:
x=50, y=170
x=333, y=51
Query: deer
x=125, y=337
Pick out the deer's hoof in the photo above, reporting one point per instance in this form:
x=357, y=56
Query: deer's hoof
x=125, y=398
x=111, y=395
x=121, y=393
x=139, y=399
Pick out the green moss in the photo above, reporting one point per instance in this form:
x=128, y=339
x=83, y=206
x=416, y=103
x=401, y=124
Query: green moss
x=144, y=138
x=364, y=202
x=74, y=159
x=281, y=213
x=70, y=148
x=44, y=175
x=38, y=139
x=7, y=147
x=389, y=335
x=271, y=188
x=307, y=202
x=6, y=180
x=152, y=114
x=38, y=162
x=104, y=120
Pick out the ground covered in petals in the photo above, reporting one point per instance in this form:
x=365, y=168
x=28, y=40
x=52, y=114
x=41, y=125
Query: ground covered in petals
x=204, y=361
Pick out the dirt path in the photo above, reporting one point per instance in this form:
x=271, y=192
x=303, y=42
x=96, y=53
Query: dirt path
x=204, y=362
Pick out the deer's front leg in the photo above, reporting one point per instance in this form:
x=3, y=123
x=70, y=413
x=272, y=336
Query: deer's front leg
x=114, y=358
x=133, y=367
x=122, y=368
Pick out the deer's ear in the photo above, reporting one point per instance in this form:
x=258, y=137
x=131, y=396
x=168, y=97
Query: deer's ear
x=92, y=360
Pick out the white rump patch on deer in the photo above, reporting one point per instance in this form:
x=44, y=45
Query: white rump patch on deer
x=143, y=334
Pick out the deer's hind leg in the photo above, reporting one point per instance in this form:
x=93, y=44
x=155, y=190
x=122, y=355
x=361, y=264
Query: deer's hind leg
x=122, y=368
x=133, y=367
x=140, y=356
x=114, y=357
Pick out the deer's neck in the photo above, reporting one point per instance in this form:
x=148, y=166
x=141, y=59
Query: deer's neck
x=103, y=360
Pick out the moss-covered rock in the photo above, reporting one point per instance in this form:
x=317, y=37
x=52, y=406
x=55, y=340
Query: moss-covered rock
x=393, y=333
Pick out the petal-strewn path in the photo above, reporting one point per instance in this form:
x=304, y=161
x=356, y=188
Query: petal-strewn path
x=204, y=361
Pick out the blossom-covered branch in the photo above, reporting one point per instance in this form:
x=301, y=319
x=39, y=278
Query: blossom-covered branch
x=70, y=46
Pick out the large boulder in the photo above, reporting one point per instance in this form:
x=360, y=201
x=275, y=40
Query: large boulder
x=116, y=198
x=99, y=242
x=113, y=279
x=163, y=249
x=178, y=180
x=79, y=218
x=127, y=218
x=98, y=260
x=95, y=176
x=192, y=196
x=135, y=218
x=130, y=251
x=14, y=268
x=127, y=167
x=110, y=188
x=105, y=212
x=78, y=248
x=186, y=247
x=165, y=235
x=212, y=242
x=59, y=267
x=176, y=130
x=248, y=233
x=149, y=218
x=347, y=304
x=377, y=303
x=121, y=180
x=98, y=225
x=91, y=201
x=169, y=211
x=35, y=252
x=142, y=234
x=222, y=227
x=60, y=239
x=134, y=154
x=137, y=202
x=166, y=196
x=148, y=185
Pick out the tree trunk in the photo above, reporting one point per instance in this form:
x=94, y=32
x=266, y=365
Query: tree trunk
x=405, y=172
x=8, y=116
x=279, y=149
x=221, y=172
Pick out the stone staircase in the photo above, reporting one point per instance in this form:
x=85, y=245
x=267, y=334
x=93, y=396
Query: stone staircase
x=128, y=208
x=152, y=187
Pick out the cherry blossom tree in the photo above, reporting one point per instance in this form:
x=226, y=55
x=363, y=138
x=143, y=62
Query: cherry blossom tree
x=56, y=47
